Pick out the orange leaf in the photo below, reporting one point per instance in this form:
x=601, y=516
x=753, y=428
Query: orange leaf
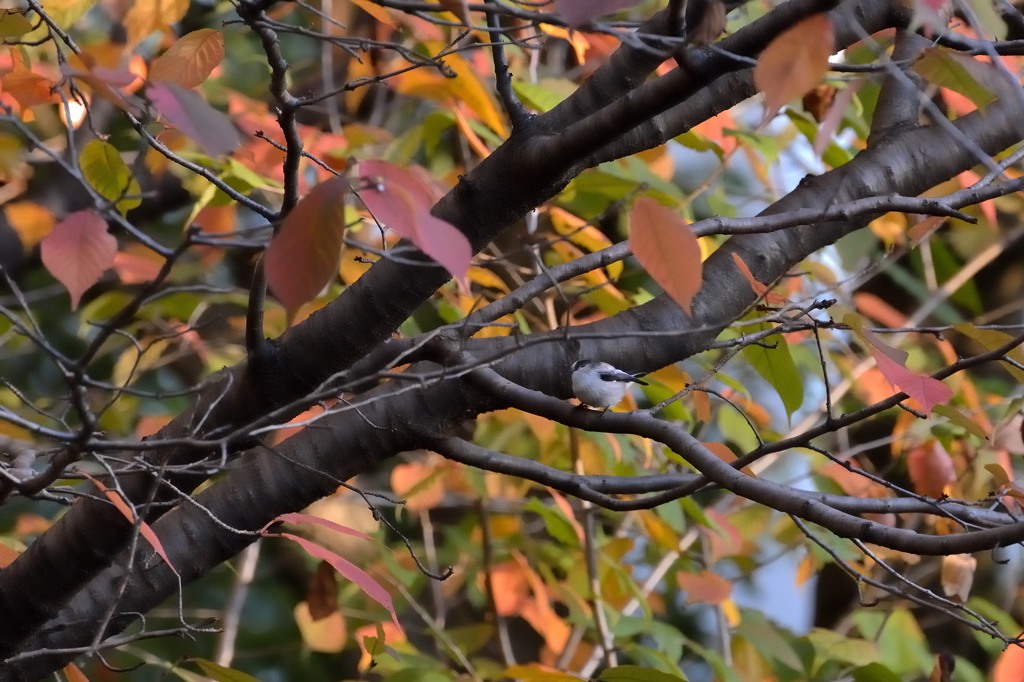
x=807, y=569
x=31, y=221
x=724, y=453
x=794, y=62
x=705, y=587
x=28, y=88
x=303, y=256
x=78, y=252
x=73, y=674
x=7, y=555
x=465, y=87
x=668, y=250
x=149, y=16
x=135, y=266
x=419, y=484
x=191, y=59
x=759, y=288
x=702, y=405
x=511, y=589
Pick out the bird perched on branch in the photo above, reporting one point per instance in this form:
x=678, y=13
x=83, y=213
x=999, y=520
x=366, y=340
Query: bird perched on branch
x=598, y=384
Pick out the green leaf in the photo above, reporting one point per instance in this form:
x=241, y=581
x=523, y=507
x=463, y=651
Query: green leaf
x=901, y=645
x=992, y=339
x=776, y=365
x=960, y=73
x=13, y=23
x=834, y=155
x=767, y=145
x=533, y=673
x=557, y=525
x=875, y=672
x=543, y=96
x=219, y=673
x=103, y=168
x=831, y=646
x=769, y=640
x=698, y=143
x=636, y=673
x=961, y=419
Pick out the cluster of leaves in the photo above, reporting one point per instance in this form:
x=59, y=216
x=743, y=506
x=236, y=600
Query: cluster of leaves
x=154, y=199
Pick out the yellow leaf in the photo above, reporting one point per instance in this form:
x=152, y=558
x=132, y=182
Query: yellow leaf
x=464, y=87
x=487, y=279
x=583, y=235
x=327, y=635
x=579, y=42
x=30, y=221
x=67, y=12
x=731, y=613
x=659, y=531
x=149, y=16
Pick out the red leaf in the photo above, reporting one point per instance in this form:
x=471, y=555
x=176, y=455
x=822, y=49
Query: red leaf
x=577, y=12
x=667, y=248
x=189, y=113
x=129, y=514
x=892, y=363
x=78, y=252
x=930, y=468
x=401, y=198
x=303, y=256
x=349, y=571
x=794, y=62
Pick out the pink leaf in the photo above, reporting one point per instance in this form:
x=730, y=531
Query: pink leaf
x=188, y=112
x=892, y=363
x=303, y=256
x=667, y=248
x=78, y=252
x=401, y=198
x=297, y=518
x=931, y=468
x=578, y=12
x=128, y=513
x=349, y=571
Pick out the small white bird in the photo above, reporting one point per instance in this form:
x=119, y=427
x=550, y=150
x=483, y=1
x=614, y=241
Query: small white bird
x=598, y=384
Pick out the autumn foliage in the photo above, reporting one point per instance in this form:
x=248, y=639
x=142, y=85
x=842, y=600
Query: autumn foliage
x=290, y=293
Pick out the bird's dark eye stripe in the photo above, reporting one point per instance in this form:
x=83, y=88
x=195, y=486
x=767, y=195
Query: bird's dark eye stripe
x=608, y=376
